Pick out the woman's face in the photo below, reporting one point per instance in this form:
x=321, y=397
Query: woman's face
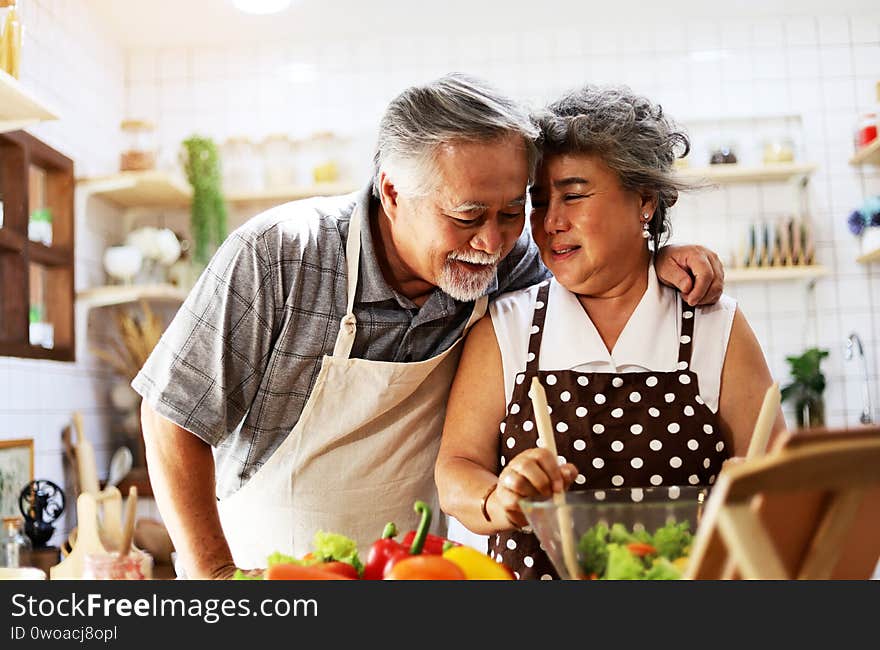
x=588, y=227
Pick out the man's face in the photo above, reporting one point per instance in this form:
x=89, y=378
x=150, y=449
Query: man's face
x=455, y=237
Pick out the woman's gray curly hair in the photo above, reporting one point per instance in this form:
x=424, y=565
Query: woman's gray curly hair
x=629, y=133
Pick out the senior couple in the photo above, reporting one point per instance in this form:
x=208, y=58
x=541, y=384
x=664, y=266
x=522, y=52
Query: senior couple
x=306, y=382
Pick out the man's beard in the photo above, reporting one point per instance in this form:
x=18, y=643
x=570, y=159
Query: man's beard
x=463, y=284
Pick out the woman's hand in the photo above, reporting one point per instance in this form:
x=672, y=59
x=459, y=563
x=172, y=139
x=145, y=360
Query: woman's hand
x=533, y=473
x=696, y=271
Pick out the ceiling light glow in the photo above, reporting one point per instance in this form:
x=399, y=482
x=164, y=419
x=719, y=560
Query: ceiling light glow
x=261, y=7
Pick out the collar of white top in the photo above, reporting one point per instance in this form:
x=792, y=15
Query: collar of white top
x=649, y=339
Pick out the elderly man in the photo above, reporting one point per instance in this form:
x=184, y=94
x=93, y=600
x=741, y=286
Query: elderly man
x=303, y=383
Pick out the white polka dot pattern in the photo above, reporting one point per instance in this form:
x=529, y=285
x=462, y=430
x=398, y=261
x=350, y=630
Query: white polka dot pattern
x=649, y=433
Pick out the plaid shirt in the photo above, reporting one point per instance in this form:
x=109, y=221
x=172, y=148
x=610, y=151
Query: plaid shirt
x=239, y=360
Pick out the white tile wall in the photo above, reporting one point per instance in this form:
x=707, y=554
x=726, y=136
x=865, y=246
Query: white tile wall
x=71, y=65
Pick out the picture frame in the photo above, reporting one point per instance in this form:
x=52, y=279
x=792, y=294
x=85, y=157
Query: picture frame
x=16, y=471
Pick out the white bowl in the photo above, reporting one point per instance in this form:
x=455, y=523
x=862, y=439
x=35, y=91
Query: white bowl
x=123, y=262
x=22, y=573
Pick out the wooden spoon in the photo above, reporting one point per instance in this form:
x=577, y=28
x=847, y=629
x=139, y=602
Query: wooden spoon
x=130, y=516
x=545, y=434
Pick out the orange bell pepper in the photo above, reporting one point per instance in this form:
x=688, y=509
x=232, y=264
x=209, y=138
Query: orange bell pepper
x=425, y=567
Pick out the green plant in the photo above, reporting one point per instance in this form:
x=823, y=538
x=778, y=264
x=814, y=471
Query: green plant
x=208, y=214
x=807, y=387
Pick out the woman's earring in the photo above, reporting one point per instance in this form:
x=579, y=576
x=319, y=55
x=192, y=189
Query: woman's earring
x=645, y=233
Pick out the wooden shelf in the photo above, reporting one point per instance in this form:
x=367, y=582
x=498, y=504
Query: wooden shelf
x=869, y=258
x=775, y=273
x=148, y=189
x=291, y=193
x=869, y=155
x=18, y=107
x=49, y=255
x=124, y=294
x=11, y=240
x=735, y=173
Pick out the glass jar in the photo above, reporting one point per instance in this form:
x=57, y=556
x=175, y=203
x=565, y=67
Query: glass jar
x=136, y=565
x=15, y=547
x=319, y=158
x=723, y=154
x=279, y=161
x=139, y=146
x=241, y=166
x=778, y=150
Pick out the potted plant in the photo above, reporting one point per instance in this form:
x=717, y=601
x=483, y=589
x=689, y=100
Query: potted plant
x=807, y=388
x=208, y=211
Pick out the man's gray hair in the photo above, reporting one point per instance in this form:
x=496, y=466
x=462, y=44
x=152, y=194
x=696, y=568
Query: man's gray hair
x=629, y=133
x=453, y=108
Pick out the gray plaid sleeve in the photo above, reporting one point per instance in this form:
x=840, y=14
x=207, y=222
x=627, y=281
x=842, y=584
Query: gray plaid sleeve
x=206, y=369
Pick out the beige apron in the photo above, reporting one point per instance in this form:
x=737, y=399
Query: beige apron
x=361, y=454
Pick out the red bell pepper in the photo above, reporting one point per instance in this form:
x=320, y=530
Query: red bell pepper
x=434, y=544
x=381, y=551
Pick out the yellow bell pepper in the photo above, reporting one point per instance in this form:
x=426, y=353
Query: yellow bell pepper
x=476, y=565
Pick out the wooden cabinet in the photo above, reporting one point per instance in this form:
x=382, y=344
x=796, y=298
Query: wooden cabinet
x=36, y=264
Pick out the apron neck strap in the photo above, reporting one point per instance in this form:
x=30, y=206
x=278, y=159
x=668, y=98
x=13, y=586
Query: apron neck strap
x=537, y=330
x=686, y=341
x=348, y=324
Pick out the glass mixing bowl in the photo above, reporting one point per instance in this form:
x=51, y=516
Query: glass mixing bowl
x=619, y=534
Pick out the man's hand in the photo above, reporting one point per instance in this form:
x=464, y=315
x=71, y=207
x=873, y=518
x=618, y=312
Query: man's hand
x=227, y=572
x=696, y=271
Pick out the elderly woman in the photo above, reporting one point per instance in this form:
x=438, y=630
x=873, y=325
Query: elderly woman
x=645, y=390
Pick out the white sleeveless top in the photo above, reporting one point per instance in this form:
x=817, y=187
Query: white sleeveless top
x=649, y=341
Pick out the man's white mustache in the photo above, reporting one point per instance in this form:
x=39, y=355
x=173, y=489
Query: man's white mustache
x=476, y=257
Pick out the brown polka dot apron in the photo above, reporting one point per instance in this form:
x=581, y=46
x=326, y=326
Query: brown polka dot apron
x=637, y=429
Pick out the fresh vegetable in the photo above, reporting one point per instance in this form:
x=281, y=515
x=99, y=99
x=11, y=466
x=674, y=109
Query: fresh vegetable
x=418, y=541
x=333, y=553
x=290, y=571
x=641, y=549
x=344, y=569
x=382, y=550
x=476, y=565
x=333, y=547
x=619, y=554
x=434, y=544
x=424, y=567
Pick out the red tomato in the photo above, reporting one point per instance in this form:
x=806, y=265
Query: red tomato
x=640, y=549
x=286, y=571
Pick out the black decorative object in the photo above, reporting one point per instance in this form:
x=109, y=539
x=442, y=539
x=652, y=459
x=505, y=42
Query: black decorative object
x=41, y=502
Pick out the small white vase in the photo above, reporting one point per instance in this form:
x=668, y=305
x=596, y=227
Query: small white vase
x=870, y=240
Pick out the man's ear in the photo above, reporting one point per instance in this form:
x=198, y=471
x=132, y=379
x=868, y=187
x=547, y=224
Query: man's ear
x=388, y=196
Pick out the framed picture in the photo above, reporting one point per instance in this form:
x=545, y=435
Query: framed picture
x=16, y=471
